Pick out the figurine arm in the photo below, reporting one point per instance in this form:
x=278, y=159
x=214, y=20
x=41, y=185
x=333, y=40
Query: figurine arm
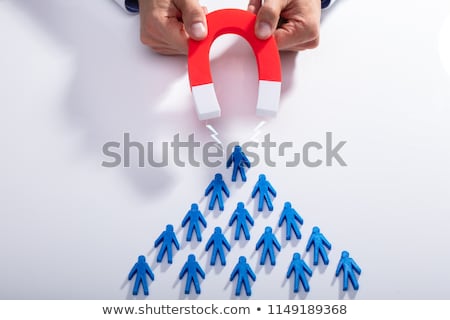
x=271, y=189
x=203, y=220
x=159, y=240
x=339, y=267
x=249, y=218
x=186, y=218
x=307, y=269
x=235, y=271
x=175, y=242
x=225, y=189
x=246, y=161
x=132, y=272
x=308, y=245
x=232, y=219
x=298, y=217
x=226, y=244
x=149, y=272
x=290, y=270
x=259, y=243
x=209, y=188
x=251, y=273
x=282, y=218
x=255, y=190
x=209, y=243
x=356, y=267
x=200, y=271
x=276, y=243
x=230, y=160
x=183, y=271
x=326, y=243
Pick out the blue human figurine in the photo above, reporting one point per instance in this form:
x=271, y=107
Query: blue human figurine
x=292, y=219
x=218, y=243
x=217, y=186
x=239, y=161
x=194, y=217
x=192, y=269
x=241, y=216
x=299, y=268
x=141, y=269
x=319, y=242
x=244, y=272
x=268, y=241
x=348, y=266
x=264, y=188
x=167, y=238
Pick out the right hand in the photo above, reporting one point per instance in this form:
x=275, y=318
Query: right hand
x=166, y=25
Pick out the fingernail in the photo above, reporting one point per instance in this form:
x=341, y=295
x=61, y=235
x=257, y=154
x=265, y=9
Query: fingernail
x=198, y=30
x=264, y=30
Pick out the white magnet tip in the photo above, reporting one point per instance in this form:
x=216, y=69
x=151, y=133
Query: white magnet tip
x=205, y=101
x=268, y=98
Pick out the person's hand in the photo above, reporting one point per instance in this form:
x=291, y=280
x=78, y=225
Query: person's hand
x=166, y=25
x=294, y=23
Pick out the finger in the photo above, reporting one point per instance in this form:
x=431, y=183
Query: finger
x=299, y=33
x=254, y=5
x=290, y=40
x=194, y=18
x=176, y=37
x=267, y=18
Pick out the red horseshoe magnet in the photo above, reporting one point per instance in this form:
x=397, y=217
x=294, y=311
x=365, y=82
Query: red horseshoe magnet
x=242, y=23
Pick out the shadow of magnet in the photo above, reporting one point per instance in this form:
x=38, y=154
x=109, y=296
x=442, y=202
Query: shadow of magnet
x=241, y=23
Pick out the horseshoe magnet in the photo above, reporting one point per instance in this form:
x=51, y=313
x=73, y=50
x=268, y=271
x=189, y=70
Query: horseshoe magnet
x=241, y=23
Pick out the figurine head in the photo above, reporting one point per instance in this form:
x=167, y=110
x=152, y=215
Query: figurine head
x=262, y=177
x=287, y=205
x=218, y=177
x=237, y=148
x=194, y=206
x=296, y=256
x=345, y=254
x=316, y=230
x=242, y=259
x=217, y=230
x=268, y=230
x=240, y=205
x=141, y=259
x=169, y=228
x=191, y=258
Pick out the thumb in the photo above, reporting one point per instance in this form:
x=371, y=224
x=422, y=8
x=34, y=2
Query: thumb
x=194, y=19
x=267, y=18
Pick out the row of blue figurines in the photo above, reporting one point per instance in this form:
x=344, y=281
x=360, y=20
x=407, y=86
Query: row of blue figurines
x=242, y=218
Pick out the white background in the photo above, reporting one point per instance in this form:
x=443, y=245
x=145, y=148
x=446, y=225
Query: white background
x=73, y=76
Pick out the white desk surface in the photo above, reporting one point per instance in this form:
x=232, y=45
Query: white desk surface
x=74, y=75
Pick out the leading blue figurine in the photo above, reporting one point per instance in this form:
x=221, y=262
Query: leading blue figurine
x=264, y=188
x=194, y=217
x=241, y=216
x=243, y=271
x=269, y=241
x=192, y=269
x=218, y=241
x=217, y=186
x=167, y=238
x=319, y=242
x=348, y=266
x=240, y=160
x=299, y=268
x=141, y=269
x=292, y=218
